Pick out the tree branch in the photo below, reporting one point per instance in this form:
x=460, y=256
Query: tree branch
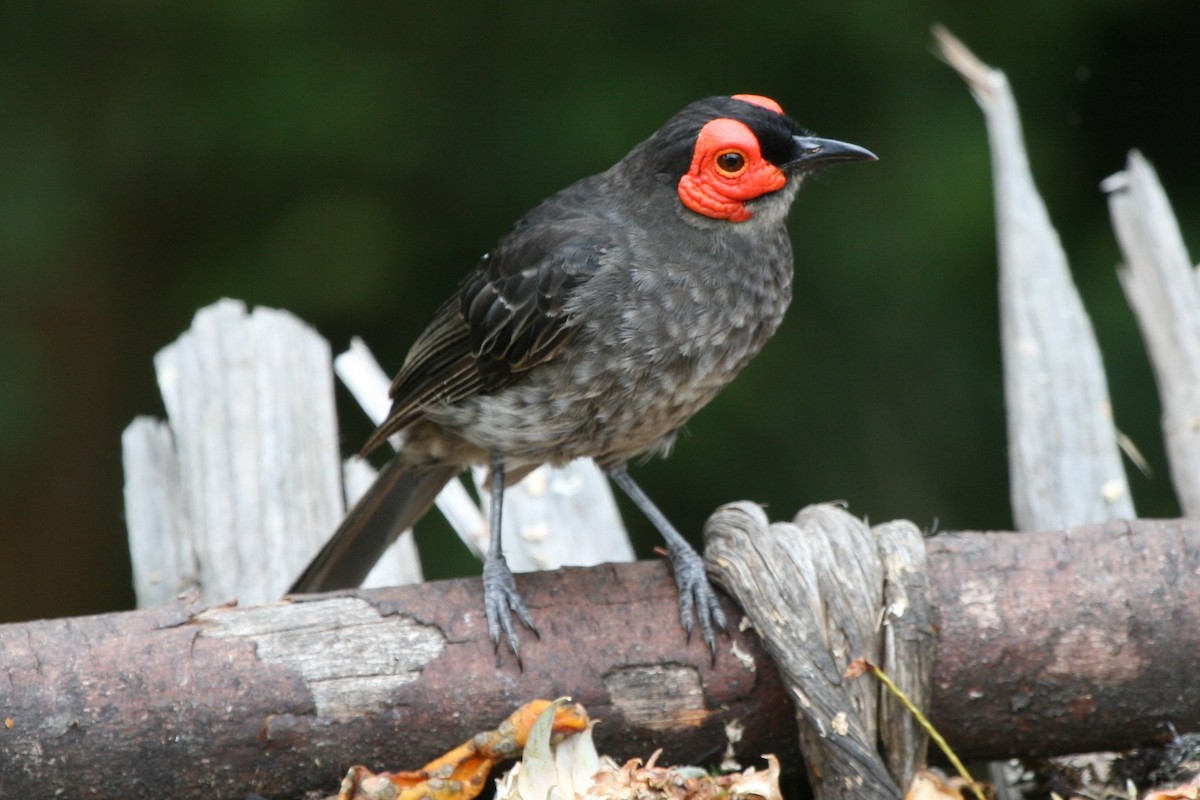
x=1061, y=641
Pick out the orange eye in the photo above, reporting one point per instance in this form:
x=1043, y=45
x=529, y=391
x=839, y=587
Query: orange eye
x=731, y=163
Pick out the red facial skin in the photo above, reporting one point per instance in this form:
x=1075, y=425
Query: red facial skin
x=759, y=100
x=727, y=170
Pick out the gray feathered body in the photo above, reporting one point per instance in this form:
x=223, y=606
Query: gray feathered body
x=644, y=314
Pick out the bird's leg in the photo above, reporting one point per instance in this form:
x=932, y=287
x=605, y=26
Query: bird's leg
x=500, y=598
x=695, y=591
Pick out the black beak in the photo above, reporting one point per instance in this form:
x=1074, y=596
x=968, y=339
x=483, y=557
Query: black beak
x=812, y=153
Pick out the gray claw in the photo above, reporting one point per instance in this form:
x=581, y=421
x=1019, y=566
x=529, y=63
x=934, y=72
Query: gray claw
x=500, y=601
x=696, y=594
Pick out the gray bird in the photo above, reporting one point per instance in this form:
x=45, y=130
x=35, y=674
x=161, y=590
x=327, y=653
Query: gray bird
x=597, y=326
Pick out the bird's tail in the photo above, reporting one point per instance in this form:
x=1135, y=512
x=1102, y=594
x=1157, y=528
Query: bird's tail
x=399, y=497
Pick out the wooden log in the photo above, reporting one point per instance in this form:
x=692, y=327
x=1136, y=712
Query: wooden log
x=186, y=702
x=1066, y=641
x=1046, y=643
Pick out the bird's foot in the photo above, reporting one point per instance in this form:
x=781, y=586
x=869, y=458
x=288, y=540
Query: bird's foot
x=501, y=601
x=696, y=594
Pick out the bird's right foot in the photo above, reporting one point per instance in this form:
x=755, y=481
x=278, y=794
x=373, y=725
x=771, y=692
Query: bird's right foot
x=696, y=594
x=501, y=601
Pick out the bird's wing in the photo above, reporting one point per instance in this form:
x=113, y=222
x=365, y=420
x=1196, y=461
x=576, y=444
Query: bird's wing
x=507, y=316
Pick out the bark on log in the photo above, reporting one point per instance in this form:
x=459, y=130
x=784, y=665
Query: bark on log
x=1066, y=641
x=1047, y=643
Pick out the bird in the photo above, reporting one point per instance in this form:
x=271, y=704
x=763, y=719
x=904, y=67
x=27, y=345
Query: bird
x=596, y=327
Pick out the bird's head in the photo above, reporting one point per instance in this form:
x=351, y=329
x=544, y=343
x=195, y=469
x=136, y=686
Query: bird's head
x=730, y=157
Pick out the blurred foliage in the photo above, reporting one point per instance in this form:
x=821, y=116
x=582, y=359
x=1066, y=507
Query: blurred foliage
x=349, y=161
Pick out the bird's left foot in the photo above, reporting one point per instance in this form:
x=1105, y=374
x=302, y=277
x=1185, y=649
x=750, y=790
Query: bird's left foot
x=696, y=594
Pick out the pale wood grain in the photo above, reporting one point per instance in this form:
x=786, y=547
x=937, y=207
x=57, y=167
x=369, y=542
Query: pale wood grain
x=1064, y=463
x=1161, y=284
x=249, y=399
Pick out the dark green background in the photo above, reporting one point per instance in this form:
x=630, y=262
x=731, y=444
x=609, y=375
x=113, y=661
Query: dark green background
x=349, y=161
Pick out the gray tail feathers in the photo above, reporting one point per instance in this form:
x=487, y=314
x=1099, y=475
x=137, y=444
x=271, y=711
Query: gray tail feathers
x=398, y=498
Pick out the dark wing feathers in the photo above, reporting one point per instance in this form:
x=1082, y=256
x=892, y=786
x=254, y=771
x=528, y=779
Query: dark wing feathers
x=506, y=317
x=513, y=306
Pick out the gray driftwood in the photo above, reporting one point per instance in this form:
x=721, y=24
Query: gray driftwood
x=823, y=612
x=1162, y=287
x=249, y=400
x=1064, y=463
x=906, y=645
